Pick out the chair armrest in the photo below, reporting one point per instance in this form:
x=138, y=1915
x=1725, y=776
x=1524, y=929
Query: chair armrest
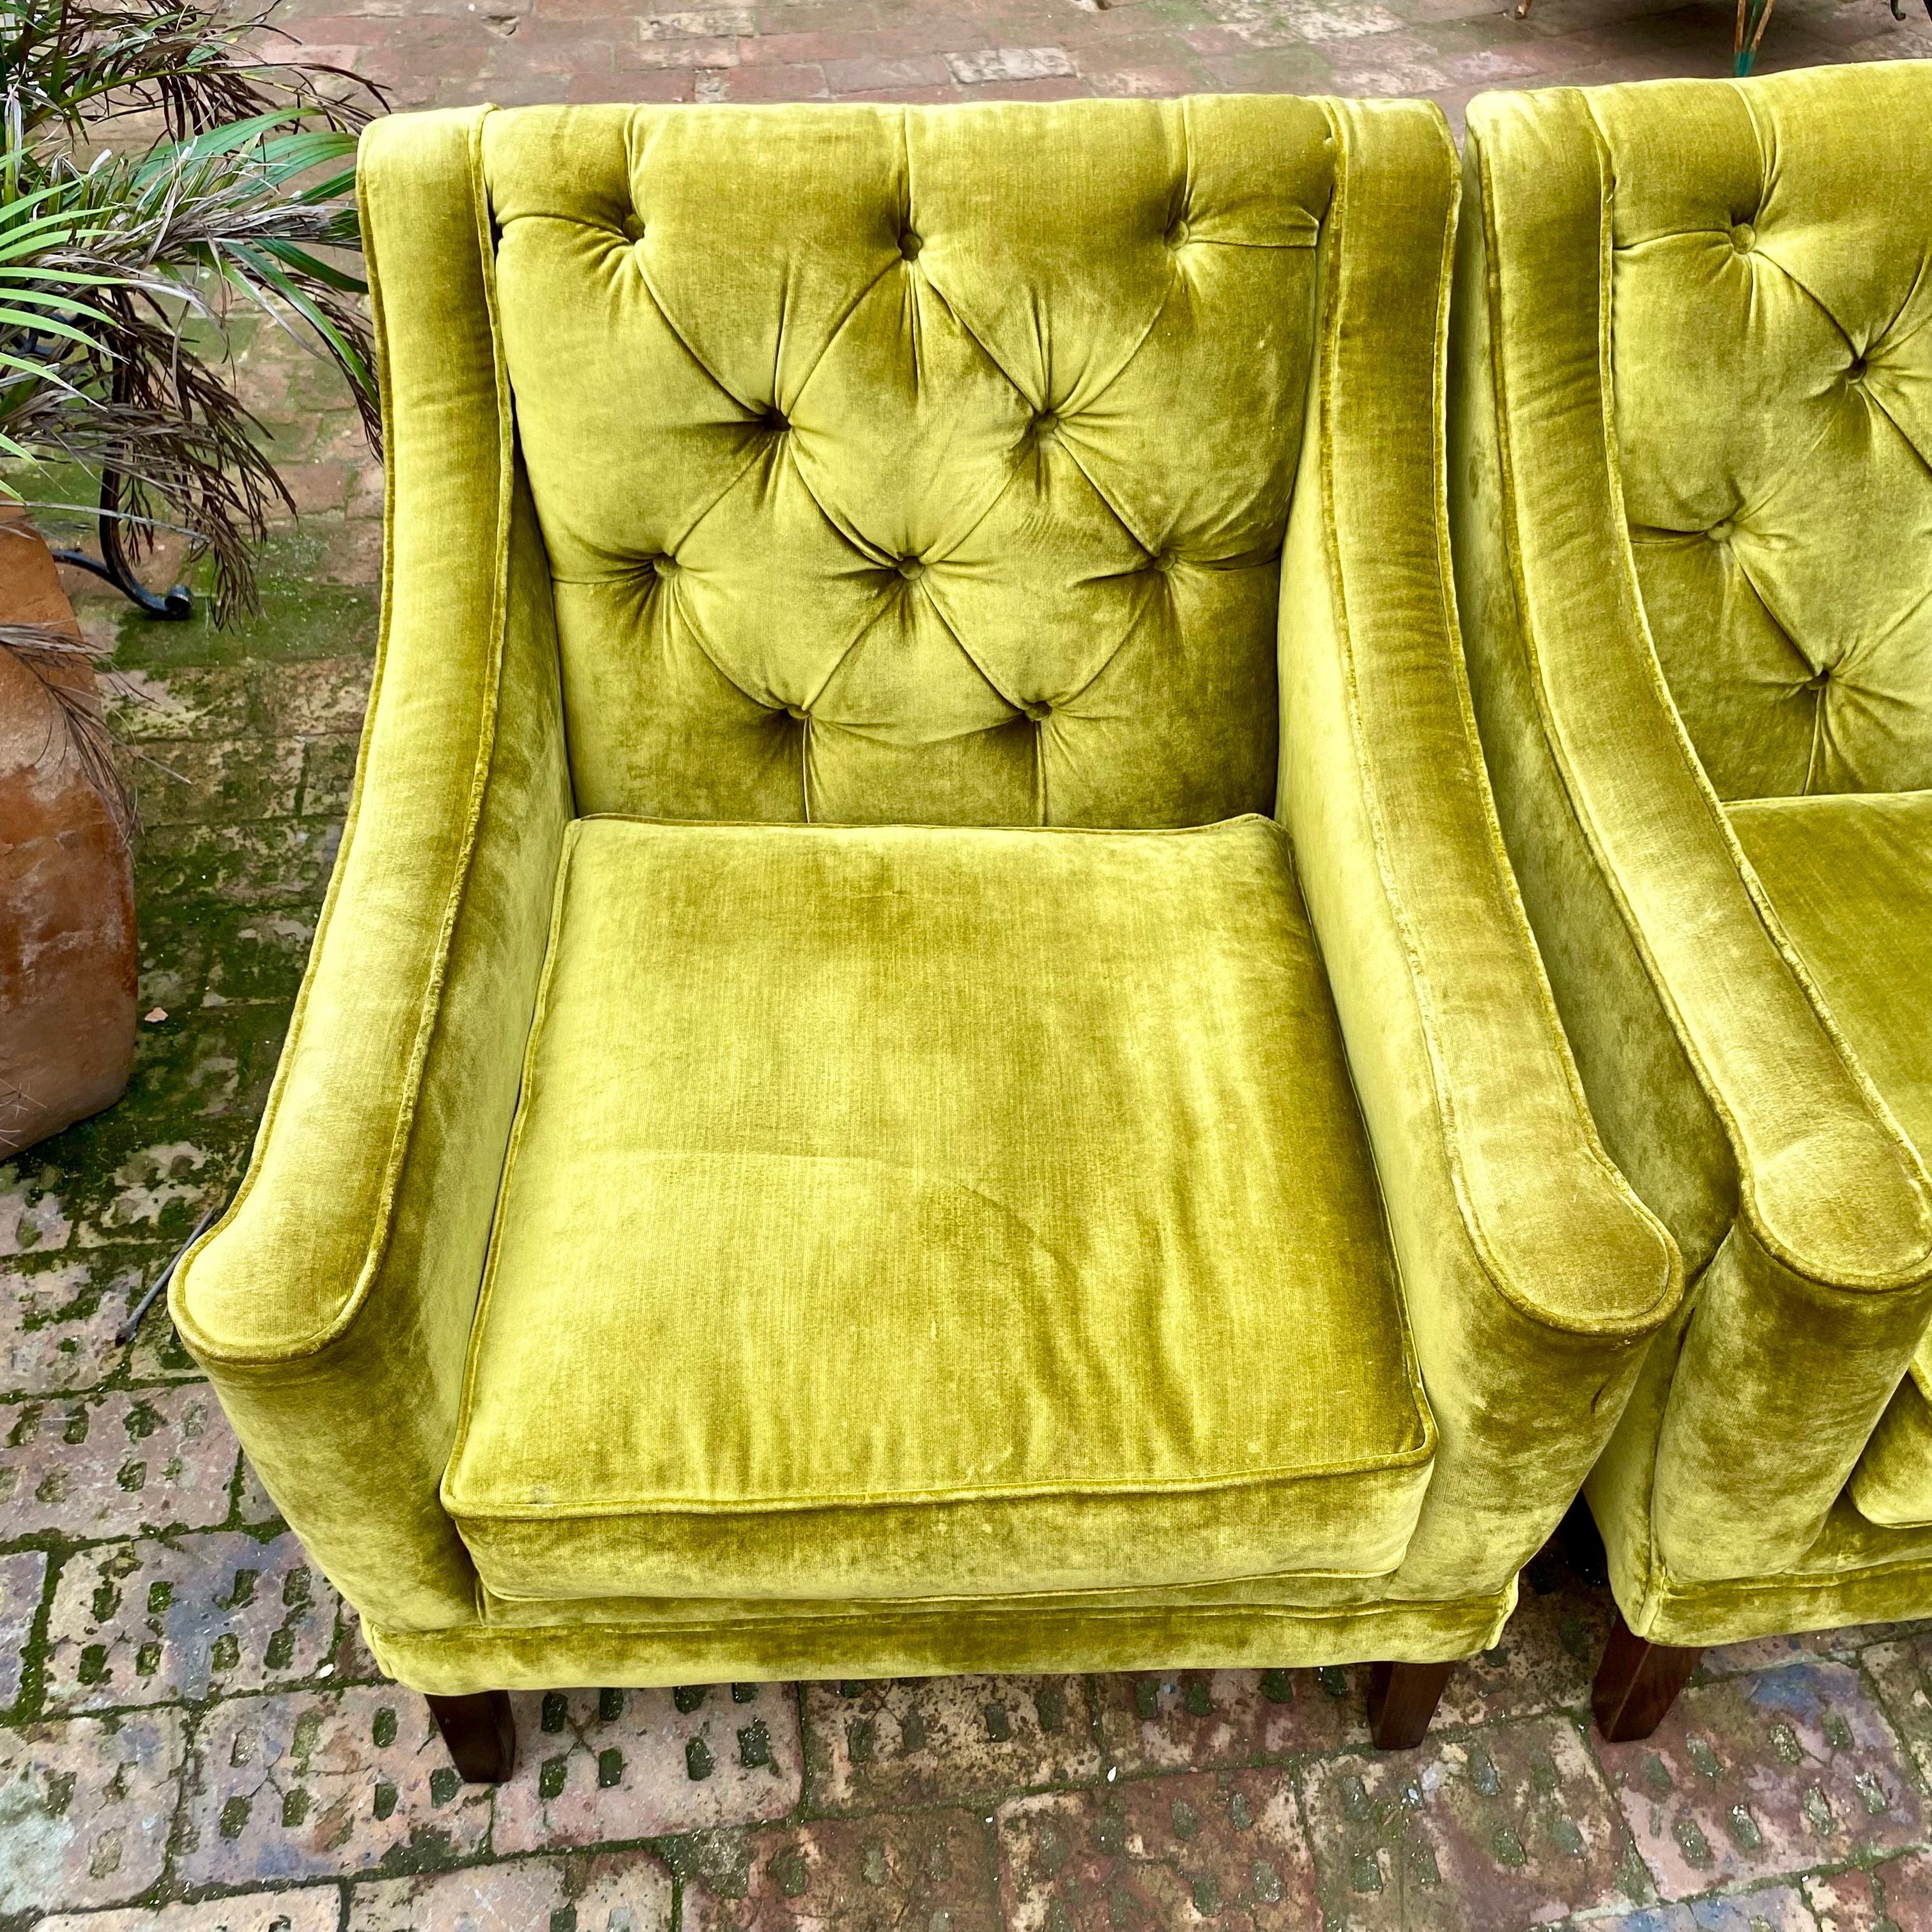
x=332, y=1306
x=1532, y=1274
x=1719, y=1077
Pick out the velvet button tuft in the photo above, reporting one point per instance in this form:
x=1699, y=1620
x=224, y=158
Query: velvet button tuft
x=1177, y=235
x=909, y=245
x=1038, y=712
x=910, y=567
x=664, y=566
x=1744, y=238
x=1046, y=428
x=1856, y=373
x=1720, y=532
x=793, y=711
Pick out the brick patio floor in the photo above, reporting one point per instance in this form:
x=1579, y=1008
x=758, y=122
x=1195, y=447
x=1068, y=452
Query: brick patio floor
x=192, y=1736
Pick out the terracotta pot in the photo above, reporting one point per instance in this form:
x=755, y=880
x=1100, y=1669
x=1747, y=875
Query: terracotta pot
x=66, y=887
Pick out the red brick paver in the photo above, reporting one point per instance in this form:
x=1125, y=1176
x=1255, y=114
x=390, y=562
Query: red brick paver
x=513, y=51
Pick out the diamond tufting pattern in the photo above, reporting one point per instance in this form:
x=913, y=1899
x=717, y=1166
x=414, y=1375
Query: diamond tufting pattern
x=1772, y=364
x=921, y=488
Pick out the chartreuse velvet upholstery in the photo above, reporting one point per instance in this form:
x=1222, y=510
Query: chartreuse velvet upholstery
x=922, y=1055
x=1691, y=451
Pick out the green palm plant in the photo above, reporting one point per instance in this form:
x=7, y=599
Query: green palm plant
x=162, y=174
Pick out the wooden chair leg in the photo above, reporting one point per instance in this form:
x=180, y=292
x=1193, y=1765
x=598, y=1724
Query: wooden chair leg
x=481, y=1735
x=1636, y=1683
x=1402, y=1698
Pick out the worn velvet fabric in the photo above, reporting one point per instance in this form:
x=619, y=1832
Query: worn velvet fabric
x=923, y=1055
x=1850, y=877
x=1693, y=359
x=1077, y=1198
x=935, y=405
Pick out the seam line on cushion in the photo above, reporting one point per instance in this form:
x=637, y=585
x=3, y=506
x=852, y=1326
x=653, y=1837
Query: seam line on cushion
x=624, y=569
x=678, y=539
x=526, y=1097
x=1393, y=1462
x=1817, y=723
x=1019, y=388
x=860, y=1606
x=717, y=382
x=704, y=827
x=1874, y=400
x=1146, y=594
x=735, y=1626
x=868, y=623
x=1012, y=482
x=1818, y=302
x=1670, y=1591
x=838, y=329
x=1145, y=541
x=972, y=657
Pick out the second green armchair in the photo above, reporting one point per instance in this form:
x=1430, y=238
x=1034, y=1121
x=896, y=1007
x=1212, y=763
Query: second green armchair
x=922, y=1056
x=1692, y=446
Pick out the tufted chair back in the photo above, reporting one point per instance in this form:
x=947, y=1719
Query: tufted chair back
x=1771, y=347
x=906, y=465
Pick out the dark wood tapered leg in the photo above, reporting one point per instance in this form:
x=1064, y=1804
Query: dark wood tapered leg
x=1582, y=1544
x=480, y=1733
x=1402, y=1698
x=1636, y=1683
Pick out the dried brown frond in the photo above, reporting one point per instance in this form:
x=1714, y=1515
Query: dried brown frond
x=54, y=656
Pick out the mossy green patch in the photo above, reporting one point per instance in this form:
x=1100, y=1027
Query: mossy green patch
x=299, y=617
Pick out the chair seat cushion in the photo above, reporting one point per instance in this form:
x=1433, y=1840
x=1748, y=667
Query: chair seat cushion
x=1850, y=875
x=911, y=1213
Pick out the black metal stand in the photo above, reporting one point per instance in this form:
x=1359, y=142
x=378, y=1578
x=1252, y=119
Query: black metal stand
x=130, y=1328
x=111, y=566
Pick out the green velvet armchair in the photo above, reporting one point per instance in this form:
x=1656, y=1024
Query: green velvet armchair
x=1691, y=443
x=922, y=1056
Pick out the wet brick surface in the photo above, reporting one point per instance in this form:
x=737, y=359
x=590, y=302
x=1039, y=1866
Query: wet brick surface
x=949, y=1740
x=1221, y=1847
x=147, y=1622
x=1175, y=1720
x=84, y=1806
x=929, y=1869
x=612, y=1891
x=1511, y=1825
x=306, y=1784
x=22, y=1580
x=319, y=1908
x=1748, y=1777
x=597, y=1765
x=112, y=1464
